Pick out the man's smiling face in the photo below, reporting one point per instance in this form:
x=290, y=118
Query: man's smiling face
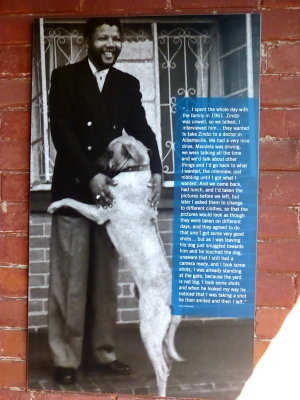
x=105, y=46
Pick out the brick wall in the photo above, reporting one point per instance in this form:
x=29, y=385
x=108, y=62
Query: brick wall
x=279, y=245
x=40, y=230
x=279, y=195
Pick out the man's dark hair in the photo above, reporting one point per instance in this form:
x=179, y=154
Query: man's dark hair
x=93, y=23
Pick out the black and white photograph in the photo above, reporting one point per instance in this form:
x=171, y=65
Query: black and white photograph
x=103, y=128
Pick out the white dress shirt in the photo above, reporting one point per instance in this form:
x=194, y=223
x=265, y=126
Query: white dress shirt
x=100, y=75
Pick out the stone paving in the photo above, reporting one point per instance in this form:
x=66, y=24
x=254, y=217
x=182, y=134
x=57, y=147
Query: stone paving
x=218, y=358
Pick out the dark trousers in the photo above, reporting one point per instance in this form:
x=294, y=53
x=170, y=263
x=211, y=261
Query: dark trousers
x=83, y=263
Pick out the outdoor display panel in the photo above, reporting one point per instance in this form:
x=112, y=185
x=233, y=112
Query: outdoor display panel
x=199, y=82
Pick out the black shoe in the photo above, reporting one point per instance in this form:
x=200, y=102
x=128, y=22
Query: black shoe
x=115, y=368
x=64, y=376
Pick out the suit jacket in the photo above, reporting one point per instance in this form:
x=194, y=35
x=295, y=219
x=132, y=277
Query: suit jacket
x=83, y=121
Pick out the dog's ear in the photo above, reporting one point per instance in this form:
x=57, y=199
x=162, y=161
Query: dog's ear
x=130, y=151
x=149, y=151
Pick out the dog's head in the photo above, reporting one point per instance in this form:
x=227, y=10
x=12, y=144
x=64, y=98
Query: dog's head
x=124, y=152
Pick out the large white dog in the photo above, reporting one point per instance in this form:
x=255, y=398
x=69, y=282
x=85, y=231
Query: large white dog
x=131, y=225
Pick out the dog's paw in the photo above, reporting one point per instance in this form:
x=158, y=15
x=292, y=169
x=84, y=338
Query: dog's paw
x=53, y=207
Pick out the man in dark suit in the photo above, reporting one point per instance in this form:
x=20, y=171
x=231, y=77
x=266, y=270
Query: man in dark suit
x=91, y=102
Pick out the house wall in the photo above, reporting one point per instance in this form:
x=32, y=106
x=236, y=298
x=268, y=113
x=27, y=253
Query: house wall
x=278, y=279
x=40, y=230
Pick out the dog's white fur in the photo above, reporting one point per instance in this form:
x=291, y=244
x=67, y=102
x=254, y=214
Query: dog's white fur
x=131, y=225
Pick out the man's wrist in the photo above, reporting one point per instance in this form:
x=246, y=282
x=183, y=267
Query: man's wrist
x=157, y=176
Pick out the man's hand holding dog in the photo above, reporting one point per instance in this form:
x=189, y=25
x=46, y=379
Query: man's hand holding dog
x=155, y=184
x=99, y=186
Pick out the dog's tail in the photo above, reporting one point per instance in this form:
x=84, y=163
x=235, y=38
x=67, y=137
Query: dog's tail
x=170, y=339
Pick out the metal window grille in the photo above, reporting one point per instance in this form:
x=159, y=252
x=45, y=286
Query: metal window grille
x=184, y=70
